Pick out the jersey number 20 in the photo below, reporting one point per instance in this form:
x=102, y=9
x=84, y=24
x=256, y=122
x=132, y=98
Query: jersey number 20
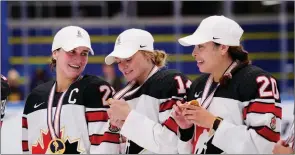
x=265, y=83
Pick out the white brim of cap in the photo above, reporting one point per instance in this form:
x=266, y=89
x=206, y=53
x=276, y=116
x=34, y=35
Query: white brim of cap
x=193, y=40
x=77, y=43
x=121, y=53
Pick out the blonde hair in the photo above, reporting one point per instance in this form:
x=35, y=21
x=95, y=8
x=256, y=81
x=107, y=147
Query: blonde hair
x=159, y=57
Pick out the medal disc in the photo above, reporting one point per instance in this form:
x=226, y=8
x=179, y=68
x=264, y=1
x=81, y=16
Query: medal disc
x=57, y=146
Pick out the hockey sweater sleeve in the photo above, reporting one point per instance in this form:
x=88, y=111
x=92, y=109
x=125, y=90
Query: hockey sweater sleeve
x=25, y=144
x=262, y=119
x=103, y=140
x=185, y=140
x=157, y=137
x=186, y=135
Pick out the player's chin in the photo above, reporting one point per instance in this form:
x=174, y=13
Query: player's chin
x=129, y=77
x=74, y=74
x=203, y=69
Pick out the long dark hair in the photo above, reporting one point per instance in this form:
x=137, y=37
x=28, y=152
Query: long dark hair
x=237, y=53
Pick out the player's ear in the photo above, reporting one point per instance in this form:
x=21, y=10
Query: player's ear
x=224, y=49
x=54, y=54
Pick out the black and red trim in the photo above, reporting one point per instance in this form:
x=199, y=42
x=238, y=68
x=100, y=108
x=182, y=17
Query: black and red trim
x=24, y=123
x=168, y=105
x=25, y=145
x=97, y=139
x=267, y=133
x=262, y=108
x=171, y=125
x=96, y=116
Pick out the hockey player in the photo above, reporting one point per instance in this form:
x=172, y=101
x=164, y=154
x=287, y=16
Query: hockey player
x=5, y=91
x=239, y=104
x=144, y=113
x=68, y=114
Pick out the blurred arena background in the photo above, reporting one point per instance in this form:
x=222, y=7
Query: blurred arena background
x=27, y=30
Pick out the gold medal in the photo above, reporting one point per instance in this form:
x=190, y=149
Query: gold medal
x=57, y=146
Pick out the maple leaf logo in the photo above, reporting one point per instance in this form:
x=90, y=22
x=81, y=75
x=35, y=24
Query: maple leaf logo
x=42, y=144
x=73, y=146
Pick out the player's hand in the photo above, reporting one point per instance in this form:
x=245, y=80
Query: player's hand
x=280, y=149
x=119, y=109
x=117, y=123
x=198, y=115
x=179, y=118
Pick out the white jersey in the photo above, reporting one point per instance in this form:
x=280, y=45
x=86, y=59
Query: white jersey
x=149, y=128
x=84, y=125
x=250, y=107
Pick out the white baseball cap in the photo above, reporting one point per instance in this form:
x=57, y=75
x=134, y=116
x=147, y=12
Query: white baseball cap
x=71, y=37
x=129, y=42
x=218, y=29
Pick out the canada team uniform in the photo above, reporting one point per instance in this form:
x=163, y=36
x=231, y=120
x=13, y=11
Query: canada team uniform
x=149, y=127
x=250, y=107
x=5, y=91
x=84, y=127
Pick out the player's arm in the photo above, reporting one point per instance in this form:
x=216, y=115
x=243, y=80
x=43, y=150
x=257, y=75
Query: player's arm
x=262, y=118
x=102, y=140
x=25, y=144
x=185, y=140
x=186, y=135
x=161, y=136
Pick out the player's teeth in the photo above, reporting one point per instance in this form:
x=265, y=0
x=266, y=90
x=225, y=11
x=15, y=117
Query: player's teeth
x=75, y=66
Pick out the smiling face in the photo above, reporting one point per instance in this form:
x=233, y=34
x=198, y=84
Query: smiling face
x=137, y=67
x=71, y=64
x=208, y=57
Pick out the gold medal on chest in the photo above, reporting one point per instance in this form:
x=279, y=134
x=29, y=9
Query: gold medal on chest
x=57, y=146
